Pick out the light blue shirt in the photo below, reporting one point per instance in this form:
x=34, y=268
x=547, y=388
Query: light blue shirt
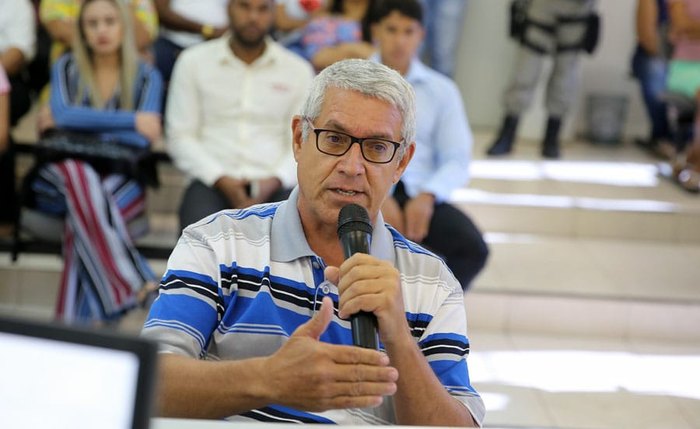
x=443, y=137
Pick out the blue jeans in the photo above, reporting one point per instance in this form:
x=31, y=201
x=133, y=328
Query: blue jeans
x=651, y=73
x=443, y=21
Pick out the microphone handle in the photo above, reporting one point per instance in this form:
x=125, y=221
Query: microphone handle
x=364, y=330
x=363, y=324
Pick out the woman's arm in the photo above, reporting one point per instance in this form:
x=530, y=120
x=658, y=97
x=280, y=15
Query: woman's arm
x=147, y=120
x=67, y=114
x=647, y=32
x=145, y=21
x=284, y=22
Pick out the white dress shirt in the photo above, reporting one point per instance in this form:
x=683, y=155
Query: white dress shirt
x=225, y=117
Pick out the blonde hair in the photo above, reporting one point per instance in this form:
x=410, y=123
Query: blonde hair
x=128, y=59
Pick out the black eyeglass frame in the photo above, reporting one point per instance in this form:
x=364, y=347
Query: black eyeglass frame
x=353, y=140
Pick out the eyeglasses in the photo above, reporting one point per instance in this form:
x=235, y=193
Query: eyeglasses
x=336, y=143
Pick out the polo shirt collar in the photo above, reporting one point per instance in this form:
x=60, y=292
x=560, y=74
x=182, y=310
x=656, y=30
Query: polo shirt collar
x=417, y=71
x=288, y=242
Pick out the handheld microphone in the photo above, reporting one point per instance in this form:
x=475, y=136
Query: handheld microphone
x=355, y=233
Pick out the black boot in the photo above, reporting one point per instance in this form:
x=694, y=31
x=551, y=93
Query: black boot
x=550, y=145
x=504, y=142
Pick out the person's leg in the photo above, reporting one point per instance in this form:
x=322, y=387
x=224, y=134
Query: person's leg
x=458, y=240
x=8, y=193
x=517, y=98
x=20, y=99
x=103, y=271
x=537, y=43
x=199, y=201
x=562, y=85
x=651, y=73
x=694, y=148
x=447, y=29
x=20, y=102
x=686, y=170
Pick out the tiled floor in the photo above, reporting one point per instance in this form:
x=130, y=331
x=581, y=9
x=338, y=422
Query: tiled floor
x=587, y=314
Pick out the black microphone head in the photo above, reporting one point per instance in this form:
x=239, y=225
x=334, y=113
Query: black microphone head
x=353, y=217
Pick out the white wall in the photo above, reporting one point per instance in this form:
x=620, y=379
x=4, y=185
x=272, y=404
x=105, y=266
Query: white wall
x=486, y=57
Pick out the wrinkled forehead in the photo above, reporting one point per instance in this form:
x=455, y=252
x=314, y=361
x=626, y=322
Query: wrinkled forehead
x=359, y=114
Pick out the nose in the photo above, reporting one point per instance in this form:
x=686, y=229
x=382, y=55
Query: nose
x=352, y=163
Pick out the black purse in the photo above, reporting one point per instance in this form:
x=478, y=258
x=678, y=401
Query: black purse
x=106, y=156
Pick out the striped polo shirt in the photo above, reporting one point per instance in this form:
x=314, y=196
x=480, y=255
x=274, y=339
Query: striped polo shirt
x=240, y=282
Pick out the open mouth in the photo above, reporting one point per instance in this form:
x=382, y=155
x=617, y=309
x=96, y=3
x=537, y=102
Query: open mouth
x=345, y=192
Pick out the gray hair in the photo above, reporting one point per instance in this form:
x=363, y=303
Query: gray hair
x=368, y=78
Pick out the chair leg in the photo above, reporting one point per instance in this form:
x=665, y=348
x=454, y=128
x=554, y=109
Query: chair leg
x=16, y=244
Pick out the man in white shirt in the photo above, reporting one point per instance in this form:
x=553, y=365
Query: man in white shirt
x=227, y=118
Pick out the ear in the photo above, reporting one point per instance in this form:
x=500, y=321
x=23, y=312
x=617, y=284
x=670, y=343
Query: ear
x=297, y=140
x=403, y=162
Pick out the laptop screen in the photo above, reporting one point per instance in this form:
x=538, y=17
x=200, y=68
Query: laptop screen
x=63, y=377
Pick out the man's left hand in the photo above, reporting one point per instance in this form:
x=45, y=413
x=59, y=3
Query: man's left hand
x=368, y=284
x=418, y=212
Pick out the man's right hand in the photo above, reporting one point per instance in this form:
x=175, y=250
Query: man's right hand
x=310, y=375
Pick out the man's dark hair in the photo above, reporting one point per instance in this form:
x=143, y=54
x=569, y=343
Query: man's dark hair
x=409, y=8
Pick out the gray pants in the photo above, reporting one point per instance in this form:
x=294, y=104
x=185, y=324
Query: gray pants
x=549, y=33
x=201, y=200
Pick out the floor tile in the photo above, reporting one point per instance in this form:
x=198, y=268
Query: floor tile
x=39, y=288
x=689, y=410
x=486, y=311
x=549, y=265
x=509, y=406
x=648, y=269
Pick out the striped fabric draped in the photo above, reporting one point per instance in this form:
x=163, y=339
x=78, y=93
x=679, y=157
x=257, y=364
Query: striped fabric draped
x=103, y=271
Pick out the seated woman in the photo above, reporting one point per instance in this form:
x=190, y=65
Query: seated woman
x=684, y=78
x=343, y=34
x=100, y=87
x=58, y=17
